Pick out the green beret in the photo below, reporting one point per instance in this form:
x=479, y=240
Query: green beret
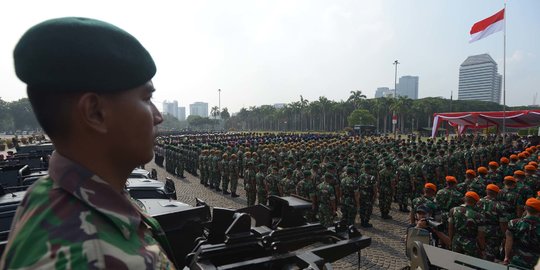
x=328, y=175
x=307, y=173
x=350, y=170
x=81, y=54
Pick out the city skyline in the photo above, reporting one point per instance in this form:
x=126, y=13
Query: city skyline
x=268, y=52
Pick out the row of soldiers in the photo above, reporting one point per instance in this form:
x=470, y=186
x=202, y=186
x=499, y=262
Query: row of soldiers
x=346, y=174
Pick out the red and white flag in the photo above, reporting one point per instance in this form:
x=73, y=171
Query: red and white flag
x=487, y=26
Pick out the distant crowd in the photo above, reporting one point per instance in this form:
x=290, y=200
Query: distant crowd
x=484, y=189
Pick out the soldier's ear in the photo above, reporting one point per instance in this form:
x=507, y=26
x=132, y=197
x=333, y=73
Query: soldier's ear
x=91, y=112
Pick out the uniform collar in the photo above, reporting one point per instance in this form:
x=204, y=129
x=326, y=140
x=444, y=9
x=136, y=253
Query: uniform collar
x=96, y=193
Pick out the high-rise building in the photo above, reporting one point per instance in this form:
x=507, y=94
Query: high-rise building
x=171, y=108
x=199, y=108
x=382, y=92
x=181, y=113
x=479, y=80
x=408, y=87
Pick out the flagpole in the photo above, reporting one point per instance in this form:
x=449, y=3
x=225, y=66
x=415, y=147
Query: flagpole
x=504, y=73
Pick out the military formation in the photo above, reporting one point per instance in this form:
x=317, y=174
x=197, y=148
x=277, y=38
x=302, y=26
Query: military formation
x=482, y=188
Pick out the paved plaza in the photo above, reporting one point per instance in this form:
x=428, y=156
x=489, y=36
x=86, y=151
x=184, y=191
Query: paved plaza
x=387, y=236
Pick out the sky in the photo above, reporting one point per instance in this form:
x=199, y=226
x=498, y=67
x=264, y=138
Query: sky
x=267, y=52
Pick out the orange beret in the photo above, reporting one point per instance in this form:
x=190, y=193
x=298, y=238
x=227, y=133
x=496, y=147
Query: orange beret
x=471, y=172
x=493, y=187
x=431, y=186
x=510, y=178
x=513, y=157
x=519, y=172
x=493, y=164
x=534, y=163
x=472, y=194
x=482, y=170
x=533, y=148
x=530, y=168
x=529, y=150
x=521, y=155
x=534, y=203
x=505, y=160
x=450, y=178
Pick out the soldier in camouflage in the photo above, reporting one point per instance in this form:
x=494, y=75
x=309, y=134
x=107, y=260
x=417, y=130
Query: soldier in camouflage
x=233, y=175
x=495, y=221
x=351, y=196
x=404, y=186
x=80, y=216
x=510, y=198
x=522, y=246
x=287, y=185
x=249, y=184
x=427, y=199
x=367, y=185
x=306, y=189
x=466, y=227
x=262, y=194
x=448, y=198
x=272, y=181
x=326, y=199
x=224, y=169
x=386, y=184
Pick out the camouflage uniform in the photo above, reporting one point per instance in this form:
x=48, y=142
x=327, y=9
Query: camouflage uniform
x=526, y=247
x=511, y=200
x=417, y=178
x=493, y=213
x=325, y=195
x=225, y=173
x=202, y=168
x=367, y=186
x=467, y=222
x=272, y=182
x=233, y=175
x=403, y=189
x=306, y=189
x=427, y=201
x=73, y=219
x=448, y=198
x=250, y=185
x=386, y=184
x=288, y=186
x=261, y=189
x=349, y=187
x=478, y=185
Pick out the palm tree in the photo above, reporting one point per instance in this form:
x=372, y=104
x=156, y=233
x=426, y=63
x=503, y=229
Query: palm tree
x=214, y=112
x=356, y=98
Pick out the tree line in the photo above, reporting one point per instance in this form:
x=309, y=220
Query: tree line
x=302, y=115
x=329, y=115
x=17, y=115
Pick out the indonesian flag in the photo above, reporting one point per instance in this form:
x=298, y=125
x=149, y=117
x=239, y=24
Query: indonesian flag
x=487, y=26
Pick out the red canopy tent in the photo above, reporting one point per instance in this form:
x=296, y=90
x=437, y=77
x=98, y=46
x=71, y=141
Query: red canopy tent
x=475, y=120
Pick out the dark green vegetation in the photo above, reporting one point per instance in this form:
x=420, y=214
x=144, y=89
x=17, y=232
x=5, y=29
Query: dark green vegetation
x=328, y=115
x=303, y=115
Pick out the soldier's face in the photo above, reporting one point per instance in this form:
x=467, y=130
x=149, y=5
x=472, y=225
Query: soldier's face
x=133, y=120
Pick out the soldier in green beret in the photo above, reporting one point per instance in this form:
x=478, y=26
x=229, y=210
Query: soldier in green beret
x=326, y=198
x=262, y=194
x=90, y=87
x=386, y=183
x=351, y=196
x=250, y=184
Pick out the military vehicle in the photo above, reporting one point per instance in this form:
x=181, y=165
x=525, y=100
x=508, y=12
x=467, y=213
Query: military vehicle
x=424, y=255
